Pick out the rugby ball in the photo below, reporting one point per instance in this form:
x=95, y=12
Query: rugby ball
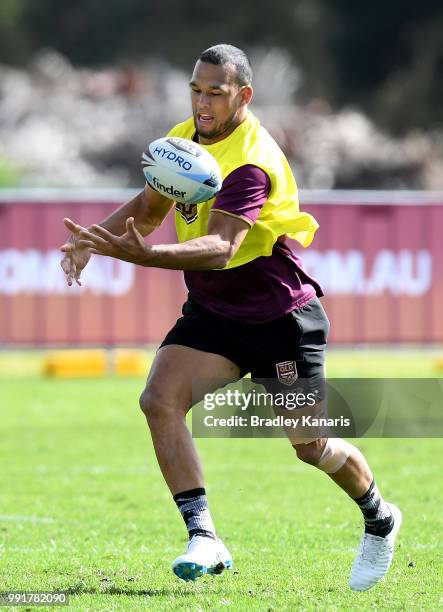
x=181, y=170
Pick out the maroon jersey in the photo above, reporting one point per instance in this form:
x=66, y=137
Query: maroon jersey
x=263, y=289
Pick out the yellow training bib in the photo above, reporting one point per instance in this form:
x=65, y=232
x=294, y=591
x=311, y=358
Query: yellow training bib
x=250, y=143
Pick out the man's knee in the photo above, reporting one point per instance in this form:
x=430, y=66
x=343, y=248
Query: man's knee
x=146, y=402
x=328, y=454
x=154, y=405
x=311, y=452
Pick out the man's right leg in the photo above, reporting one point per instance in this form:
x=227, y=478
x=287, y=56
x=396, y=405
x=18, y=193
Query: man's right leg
x=165, y=401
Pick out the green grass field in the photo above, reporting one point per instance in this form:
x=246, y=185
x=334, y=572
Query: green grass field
x=84, y=508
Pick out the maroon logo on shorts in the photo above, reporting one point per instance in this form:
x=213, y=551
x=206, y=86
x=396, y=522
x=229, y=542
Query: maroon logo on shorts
x=287, y=372
x=187, y=211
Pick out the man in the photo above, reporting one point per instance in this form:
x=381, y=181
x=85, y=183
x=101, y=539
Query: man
x=251, y=307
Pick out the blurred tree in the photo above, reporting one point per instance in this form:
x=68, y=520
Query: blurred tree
x=14, y=46
x=377, y=55
x=10, y=11
x=94, y=32
x=389, y=58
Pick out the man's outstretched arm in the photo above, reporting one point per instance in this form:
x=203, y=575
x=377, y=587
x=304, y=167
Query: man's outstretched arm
x=148, y=208
x=209, y=252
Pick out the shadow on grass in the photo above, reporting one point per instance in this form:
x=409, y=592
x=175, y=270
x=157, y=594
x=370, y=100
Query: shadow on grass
x=80, y=590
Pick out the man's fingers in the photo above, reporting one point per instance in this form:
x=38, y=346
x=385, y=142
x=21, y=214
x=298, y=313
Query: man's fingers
x=130, y=226
x=71, y=270
x=89, y=244
x=70, y=274
x=77, y=277
x=99, y=236
x=131, y=229
x=97, y=230
x=96, y=241
x=72, y=227
x=66, y=265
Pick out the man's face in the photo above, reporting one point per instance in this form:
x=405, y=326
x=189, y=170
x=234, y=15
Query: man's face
x=219, y=103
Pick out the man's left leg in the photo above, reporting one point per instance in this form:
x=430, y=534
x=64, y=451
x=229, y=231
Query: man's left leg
x=346, y=465
x=294, y=350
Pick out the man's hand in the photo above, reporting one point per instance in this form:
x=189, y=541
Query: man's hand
x=212, y=251
x=76, y=257
x=129, y=247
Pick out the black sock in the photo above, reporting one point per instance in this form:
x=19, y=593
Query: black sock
x=378, y=518
x=193, y=506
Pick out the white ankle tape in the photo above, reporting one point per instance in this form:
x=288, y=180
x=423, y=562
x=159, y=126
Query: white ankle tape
x=335, y=454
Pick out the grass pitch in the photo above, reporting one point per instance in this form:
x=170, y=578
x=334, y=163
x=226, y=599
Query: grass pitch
x=84, y=508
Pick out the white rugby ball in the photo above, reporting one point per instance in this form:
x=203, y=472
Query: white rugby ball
x=181, y=170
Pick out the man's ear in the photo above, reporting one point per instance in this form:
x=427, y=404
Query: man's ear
x=246, y=94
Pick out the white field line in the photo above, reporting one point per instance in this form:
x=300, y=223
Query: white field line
x=20, y=518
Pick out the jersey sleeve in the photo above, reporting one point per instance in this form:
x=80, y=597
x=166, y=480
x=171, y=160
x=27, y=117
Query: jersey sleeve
x=244, y=192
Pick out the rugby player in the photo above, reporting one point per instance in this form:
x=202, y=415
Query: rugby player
x=251, y=307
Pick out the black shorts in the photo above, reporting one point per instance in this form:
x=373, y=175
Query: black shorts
x=289, y=347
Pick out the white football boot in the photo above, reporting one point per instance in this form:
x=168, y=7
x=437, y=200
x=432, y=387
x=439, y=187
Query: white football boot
x=204, y=556
x=374, y=556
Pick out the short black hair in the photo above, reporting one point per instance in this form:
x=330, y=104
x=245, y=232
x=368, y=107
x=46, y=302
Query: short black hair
x=228, y=54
